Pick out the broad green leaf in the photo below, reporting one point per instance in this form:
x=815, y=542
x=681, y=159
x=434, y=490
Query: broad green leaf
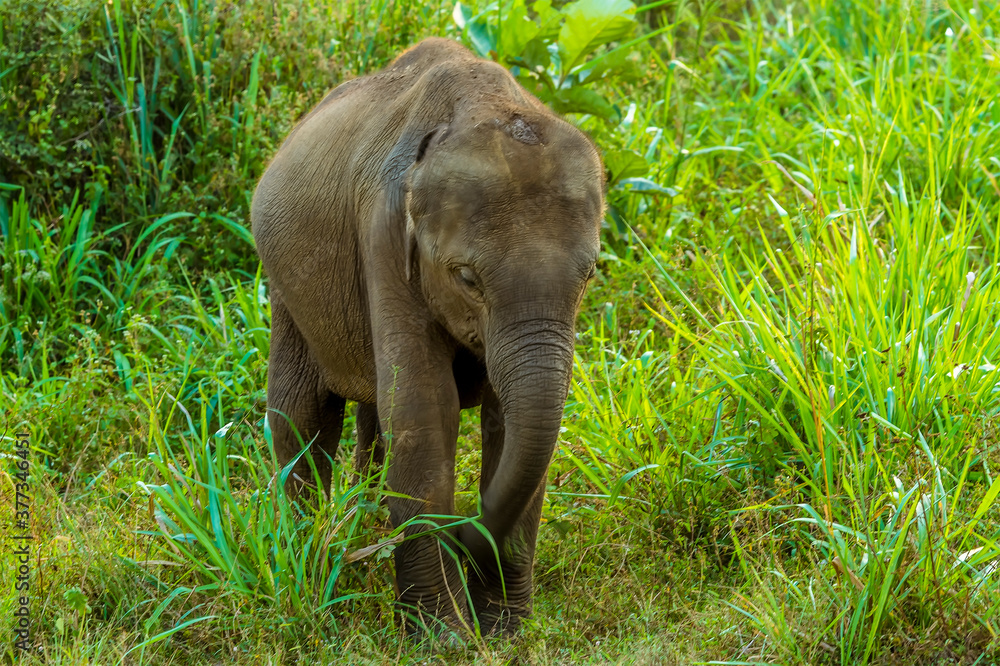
x=583, y=100
x=77, y=600
x=480, y=28
x=615, y=63
x=536, y=55
x=644, y=185
x=591, y=23
x=617, y=222
x=623, y=164
x=481, y=37
x=516, y=30
x=548, y=19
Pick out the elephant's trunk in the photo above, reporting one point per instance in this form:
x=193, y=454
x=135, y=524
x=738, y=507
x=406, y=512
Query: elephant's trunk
x=529, y=360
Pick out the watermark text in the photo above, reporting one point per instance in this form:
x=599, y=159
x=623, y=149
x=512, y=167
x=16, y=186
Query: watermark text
x=21, y=535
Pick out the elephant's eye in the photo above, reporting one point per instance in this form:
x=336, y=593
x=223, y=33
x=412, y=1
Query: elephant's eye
x=592, y=274
x=467, y=277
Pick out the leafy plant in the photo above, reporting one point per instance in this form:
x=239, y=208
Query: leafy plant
x=221, y=510
x=559, y=54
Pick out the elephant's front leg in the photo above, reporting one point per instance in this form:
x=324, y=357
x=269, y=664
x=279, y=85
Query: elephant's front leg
x=419, y=409
x=501, y=597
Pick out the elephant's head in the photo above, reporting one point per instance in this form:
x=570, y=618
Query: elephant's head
x=503, y=219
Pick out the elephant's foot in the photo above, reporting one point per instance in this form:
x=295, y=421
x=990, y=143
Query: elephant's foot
x=441, y=627
x=497, y=619
x=501, y=602
x=432, y=599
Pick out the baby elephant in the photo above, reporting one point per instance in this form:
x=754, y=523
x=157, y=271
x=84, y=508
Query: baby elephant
x=428, y=232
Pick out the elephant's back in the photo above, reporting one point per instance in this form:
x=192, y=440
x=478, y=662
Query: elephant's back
x=304, y=221
x=338, y=150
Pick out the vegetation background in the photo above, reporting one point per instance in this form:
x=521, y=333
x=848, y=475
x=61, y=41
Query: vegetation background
x=781, y=443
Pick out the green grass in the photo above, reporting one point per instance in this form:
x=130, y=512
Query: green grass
x=781, y=443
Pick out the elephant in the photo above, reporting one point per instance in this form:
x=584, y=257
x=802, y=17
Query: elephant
x=428, y=232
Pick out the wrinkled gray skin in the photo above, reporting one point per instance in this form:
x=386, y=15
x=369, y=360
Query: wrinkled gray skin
x=428, y=232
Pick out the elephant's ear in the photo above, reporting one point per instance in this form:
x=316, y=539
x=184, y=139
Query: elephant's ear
x=411, y=238
x=427, y=143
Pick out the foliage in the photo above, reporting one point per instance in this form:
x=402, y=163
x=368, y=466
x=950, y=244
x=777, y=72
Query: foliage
x=554, y=52
x=222, y=512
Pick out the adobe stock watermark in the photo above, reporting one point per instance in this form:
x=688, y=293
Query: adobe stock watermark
x=21, y=536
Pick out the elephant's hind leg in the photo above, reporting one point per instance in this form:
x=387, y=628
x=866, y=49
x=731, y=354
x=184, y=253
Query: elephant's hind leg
x=370, y=452
x=300, y=409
